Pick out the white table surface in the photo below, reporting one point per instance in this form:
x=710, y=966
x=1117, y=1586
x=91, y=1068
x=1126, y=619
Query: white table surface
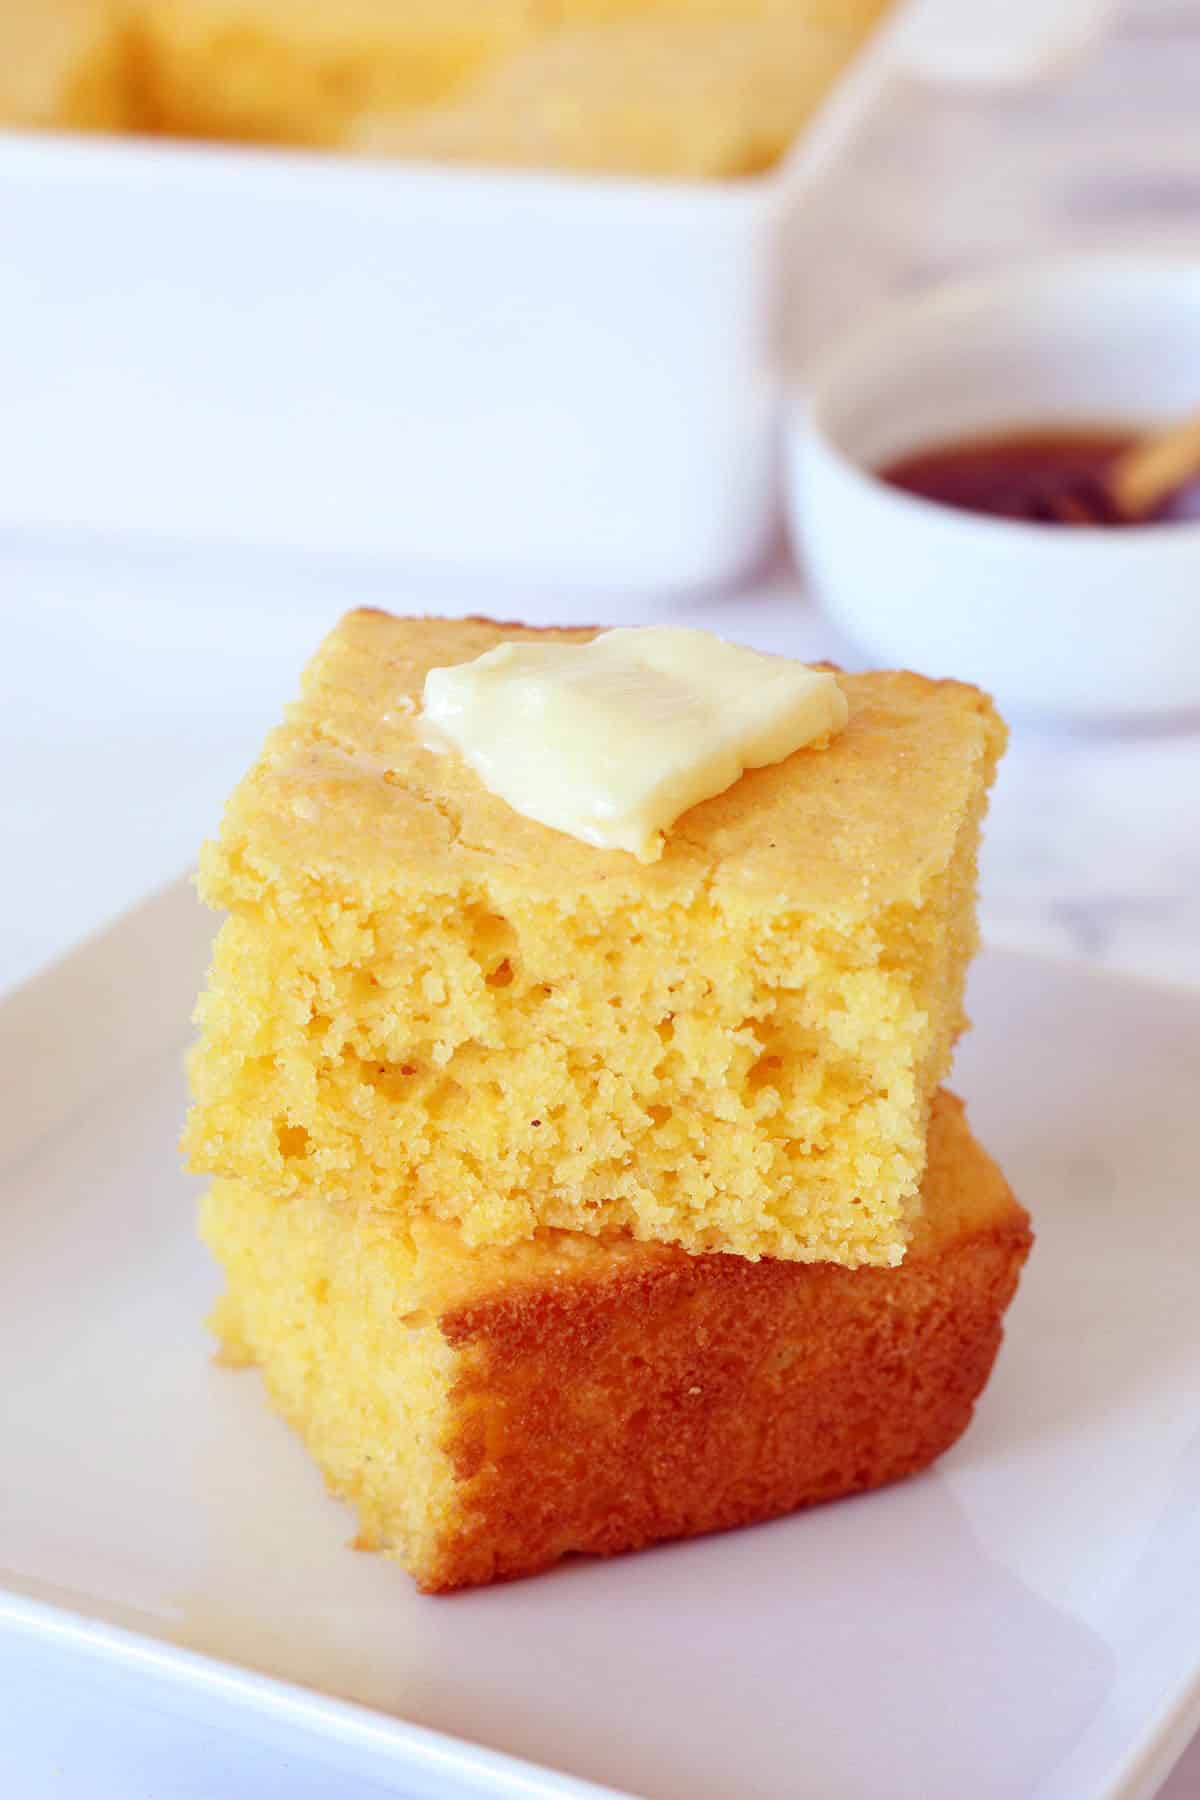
x=135, y=684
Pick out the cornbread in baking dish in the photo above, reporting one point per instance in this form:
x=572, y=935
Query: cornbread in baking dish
x=671, y=97
x=297, y=71
x=424, y=1001
x=670, y=87
x=848, y=15
x=491, y=1411
x=66, y=63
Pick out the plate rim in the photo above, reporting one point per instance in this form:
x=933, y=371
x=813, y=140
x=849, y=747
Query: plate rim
x=419, y=1748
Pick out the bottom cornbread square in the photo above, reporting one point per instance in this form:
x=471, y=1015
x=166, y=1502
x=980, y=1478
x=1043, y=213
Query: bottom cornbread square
x=489, y=1411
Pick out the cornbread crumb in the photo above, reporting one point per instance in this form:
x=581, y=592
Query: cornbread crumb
x=489, y=1412
x=424, y=1001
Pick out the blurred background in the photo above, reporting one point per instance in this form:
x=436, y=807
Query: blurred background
x=137, y=677
x=138, y=674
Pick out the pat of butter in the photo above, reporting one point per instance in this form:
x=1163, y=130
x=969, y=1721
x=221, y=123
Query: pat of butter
x=612, y=740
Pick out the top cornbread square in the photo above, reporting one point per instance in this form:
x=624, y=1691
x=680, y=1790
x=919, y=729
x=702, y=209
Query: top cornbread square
x=422, y=1000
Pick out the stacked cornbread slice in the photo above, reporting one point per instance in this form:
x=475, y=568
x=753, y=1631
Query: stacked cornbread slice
x=568, y=1202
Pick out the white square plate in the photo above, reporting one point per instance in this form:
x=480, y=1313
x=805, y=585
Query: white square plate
x=1024, y=1620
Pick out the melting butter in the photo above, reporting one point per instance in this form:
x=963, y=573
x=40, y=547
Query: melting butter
x=612, y=740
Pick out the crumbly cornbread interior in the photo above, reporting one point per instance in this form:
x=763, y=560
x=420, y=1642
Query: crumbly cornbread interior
x=677, y=87
x=488, y=1411
x=422, y=1000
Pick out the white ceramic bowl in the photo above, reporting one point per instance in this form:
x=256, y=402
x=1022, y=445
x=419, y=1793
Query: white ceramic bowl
x=1085, y=622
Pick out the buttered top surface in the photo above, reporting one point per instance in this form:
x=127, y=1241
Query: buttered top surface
x=348, y=792
x=611, y=740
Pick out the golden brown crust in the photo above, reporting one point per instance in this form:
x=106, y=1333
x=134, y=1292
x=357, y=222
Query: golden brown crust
x=489, y=1412
x=688, y=1394
x=772, y=1387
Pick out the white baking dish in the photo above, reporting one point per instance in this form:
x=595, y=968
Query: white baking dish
x=574, y=379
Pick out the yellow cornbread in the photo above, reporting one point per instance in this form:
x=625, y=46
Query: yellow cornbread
x=686, y=87
x=841, y=15
x=66, y=63
x=297, y=71
x=684, y=97
x=423, y=1000
x=489, y=1412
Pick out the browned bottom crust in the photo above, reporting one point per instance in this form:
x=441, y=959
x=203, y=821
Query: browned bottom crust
x=598, y=1397
x=732, y=1397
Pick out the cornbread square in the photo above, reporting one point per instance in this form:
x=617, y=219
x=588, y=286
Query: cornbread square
x=491, y=1411
x=297, y=71
x=851, y=13
x=423, y=1001
x=697, y=98
x=66, y=63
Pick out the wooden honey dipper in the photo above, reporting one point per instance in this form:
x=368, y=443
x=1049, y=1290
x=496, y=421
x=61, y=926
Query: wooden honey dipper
x=1138, y=480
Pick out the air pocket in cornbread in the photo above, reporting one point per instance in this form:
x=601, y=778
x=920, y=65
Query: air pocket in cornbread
x=423, y=1000
x=489, y=1412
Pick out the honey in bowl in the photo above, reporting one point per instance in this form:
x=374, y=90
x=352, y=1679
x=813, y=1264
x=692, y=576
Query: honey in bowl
x=1029, y=474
